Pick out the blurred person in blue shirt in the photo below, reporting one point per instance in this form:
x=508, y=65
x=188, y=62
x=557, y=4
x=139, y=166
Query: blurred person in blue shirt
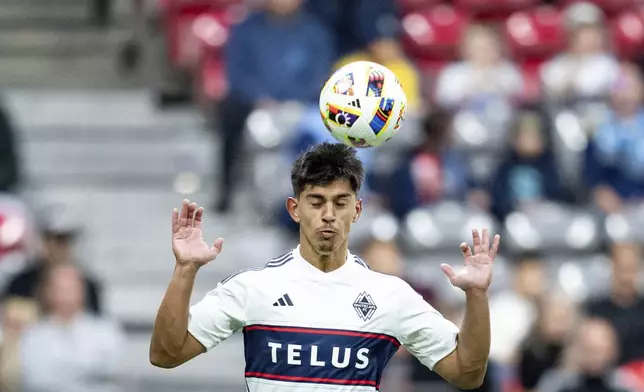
x=614, y=159
x=279, y=54
x=429, y=173
x=354, y=24
x=528, y=173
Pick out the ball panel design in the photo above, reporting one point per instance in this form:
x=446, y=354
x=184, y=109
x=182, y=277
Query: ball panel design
x=363, y=104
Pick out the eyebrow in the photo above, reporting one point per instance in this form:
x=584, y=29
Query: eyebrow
x=322, y=197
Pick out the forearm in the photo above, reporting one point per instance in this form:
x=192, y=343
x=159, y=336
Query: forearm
x=171, y=324
x=474, y=338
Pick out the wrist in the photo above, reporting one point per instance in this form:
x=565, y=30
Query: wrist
x=476, y=292
x=189, y=269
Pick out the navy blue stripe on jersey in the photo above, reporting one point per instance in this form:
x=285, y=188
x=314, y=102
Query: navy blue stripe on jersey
x=229, y=277
x=314, y=355
x=359, y=261
x=279, y=261
x=276, y=262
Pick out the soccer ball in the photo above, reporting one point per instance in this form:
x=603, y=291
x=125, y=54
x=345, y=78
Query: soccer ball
x=363, y=104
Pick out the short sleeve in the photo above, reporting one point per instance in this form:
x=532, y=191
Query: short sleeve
x=219, y=314
x=423, y=330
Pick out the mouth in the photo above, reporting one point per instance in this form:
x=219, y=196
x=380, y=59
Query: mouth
x=327, y=233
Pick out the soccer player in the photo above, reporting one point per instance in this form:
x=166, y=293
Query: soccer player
x=317, y=318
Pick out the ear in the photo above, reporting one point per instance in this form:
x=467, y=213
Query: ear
x=292, y=206
x=358, y=210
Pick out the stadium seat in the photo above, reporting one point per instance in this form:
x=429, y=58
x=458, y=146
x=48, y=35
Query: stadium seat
x=532, y=86
x=552, y=228
x=441, y=227
x=625, y=226
x=190, y=23
x=610, y=7
x=407, y=6
x=212, y=84
x=493, y=9
x=536, y=35
x=433, y=35
x=628, y=34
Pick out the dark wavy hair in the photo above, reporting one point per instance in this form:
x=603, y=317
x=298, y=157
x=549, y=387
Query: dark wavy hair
x=324, y=164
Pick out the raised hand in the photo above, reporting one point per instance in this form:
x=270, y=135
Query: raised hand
x=188, y=245
x=477, y=273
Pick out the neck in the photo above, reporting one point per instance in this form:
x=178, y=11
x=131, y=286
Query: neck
x=64, y=318
x=324, y=262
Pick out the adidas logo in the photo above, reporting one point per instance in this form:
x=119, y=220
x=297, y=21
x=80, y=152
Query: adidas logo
x=284, y=300
x=355, y=103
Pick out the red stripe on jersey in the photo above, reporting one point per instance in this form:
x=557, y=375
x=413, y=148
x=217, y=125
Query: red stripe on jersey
x=311, y=379
x=324, y=332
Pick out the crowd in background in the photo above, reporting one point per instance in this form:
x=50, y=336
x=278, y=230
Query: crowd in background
x=283, y=51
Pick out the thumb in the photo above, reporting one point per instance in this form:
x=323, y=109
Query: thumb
x=217, y=247
x=448, y=271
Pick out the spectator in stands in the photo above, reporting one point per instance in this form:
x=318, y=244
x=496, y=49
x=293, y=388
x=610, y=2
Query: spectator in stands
x=585, y=70
x=384, y=257
x=624, y=306
x=483, y=78
x=59, y=234
x=591, y=366
x=388, y=52
x=542, y=350
x=514, y=308
x=69, y=350
x=430, y=173
x=17, y=315
x=614, y=160
x=9, y=173
x=278, y=54
x=353, y=24
x=528, y=174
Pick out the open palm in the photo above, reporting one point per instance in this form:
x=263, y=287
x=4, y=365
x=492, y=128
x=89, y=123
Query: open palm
x=477, y=272
x=188, y=245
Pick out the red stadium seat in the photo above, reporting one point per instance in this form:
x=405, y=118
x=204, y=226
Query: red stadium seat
x=183, y=23
x=628, y=34
x=610, y=7
x=531, y=81
x=407, y=6
x=535, y=35
x=212, y=84
x=493, y=9
x=434, y=34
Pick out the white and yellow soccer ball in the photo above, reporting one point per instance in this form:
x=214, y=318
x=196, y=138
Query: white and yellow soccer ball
x=363, y=104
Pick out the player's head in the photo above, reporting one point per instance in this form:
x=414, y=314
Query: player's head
x=326, y=180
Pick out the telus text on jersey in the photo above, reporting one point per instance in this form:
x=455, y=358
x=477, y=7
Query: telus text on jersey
x=294, y=355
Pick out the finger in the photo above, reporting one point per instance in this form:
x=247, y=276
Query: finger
x=495, y=246
x=192, y=209
x=476, y=239
x=449, y=271
x=216, y=248
x=198, y=218
x=485, y=241
x=175, y=220
x=466, y=251
x=183, y=217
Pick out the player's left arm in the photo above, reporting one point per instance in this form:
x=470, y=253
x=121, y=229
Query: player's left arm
x=460, y=357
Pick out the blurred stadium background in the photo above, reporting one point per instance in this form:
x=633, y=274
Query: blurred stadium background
x=525, y=117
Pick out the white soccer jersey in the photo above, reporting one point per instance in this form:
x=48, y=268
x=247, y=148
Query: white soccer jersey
x=307, y=330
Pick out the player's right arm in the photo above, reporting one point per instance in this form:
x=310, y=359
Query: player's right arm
x=181, y=333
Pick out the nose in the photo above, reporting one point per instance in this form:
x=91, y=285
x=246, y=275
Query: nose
x=328, y=215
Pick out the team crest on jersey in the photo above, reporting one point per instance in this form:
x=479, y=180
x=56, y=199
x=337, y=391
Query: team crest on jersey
x=364, y=306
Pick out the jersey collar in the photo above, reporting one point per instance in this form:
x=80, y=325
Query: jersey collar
x=313, y=272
